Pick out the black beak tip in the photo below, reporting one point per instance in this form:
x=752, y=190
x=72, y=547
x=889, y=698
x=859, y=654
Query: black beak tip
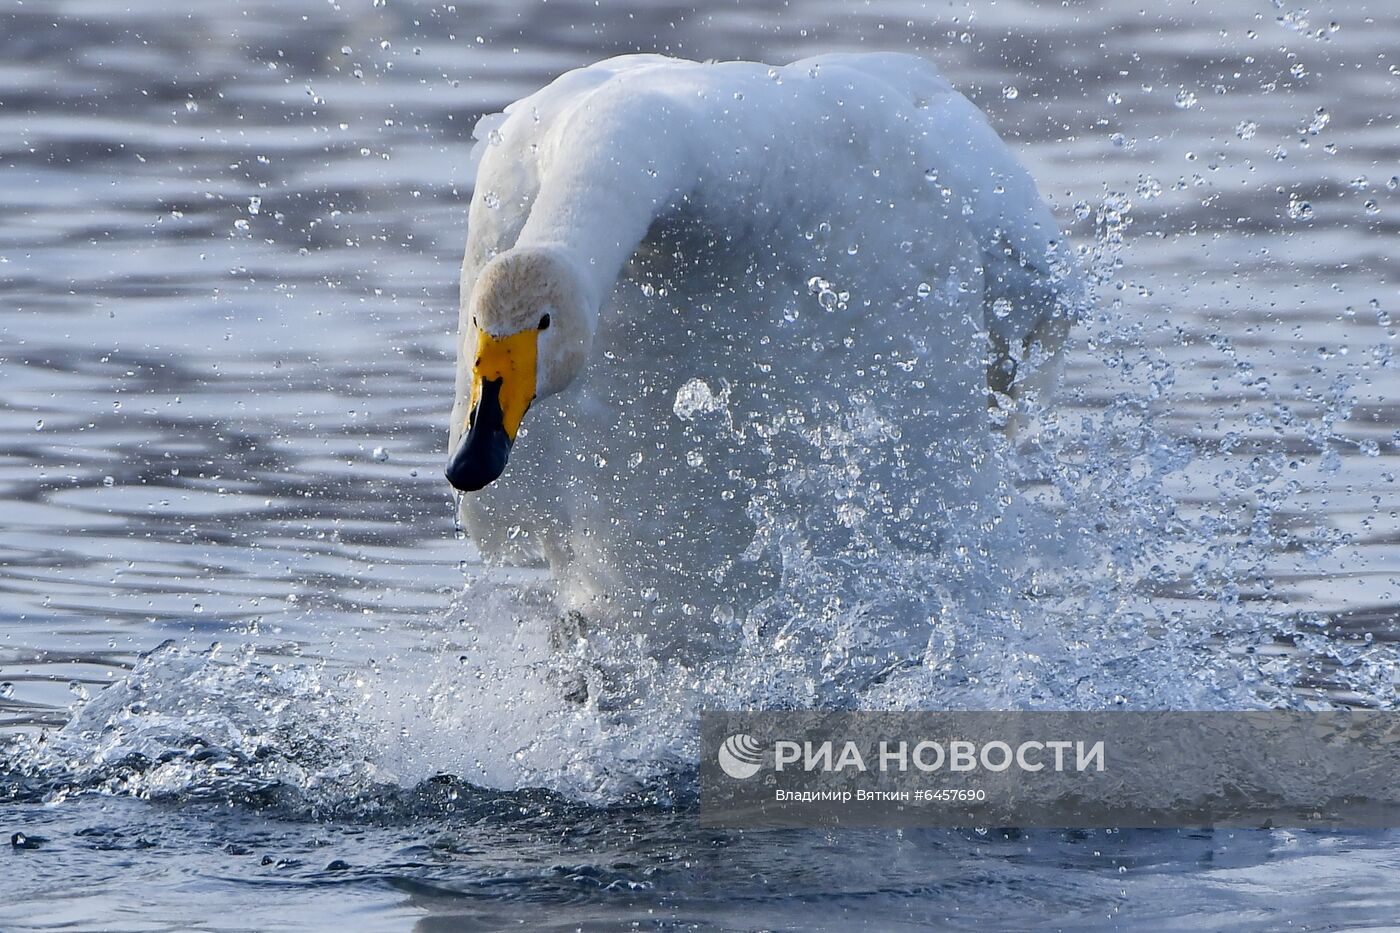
x=479, y=461
x=480, y=458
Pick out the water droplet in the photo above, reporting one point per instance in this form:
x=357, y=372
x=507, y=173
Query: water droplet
x=695, y=398
x=1010, y=92
x=254, y=205
x=1185, y=99
x=827, y=296
x=924, y=290
x=191, y=106
x=1148, y=188
x=7, y=690
x=1298, y=209
x=109, y=481
x=380, y=454
x=491, y=200
x=1246, y=129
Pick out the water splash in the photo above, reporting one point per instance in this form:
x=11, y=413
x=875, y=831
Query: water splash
x=188, y=725
x=1085, y=571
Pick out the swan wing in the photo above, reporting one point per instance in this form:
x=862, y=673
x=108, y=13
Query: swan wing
x=1024, y=256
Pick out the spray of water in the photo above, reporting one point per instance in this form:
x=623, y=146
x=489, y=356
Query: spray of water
x=1088, y=572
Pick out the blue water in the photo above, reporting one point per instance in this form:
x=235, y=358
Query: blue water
x=242, y=683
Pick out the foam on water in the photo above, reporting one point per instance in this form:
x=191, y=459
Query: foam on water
x=1085, y=578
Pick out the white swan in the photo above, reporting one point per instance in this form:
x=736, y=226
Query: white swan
x=741, y=302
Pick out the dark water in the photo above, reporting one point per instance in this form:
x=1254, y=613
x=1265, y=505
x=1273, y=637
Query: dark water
x=229, y=238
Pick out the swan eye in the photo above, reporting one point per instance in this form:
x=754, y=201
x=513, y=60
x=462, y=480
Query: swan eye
x=544, y=322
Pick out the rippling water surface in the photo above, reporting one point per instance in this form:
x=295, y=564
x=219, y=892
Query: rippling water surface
x=240, y=683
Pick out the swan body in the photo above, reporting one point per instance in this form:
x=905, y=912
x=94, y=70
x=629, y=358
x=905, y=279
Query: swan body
x=747, y=305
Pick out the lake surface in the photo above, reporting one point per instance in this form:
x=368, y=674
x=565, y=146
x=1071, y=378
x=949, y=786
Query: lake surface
x=241, y=684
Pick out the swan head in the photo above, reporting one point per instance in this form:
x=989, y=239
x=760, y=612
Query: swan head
x=532, y=321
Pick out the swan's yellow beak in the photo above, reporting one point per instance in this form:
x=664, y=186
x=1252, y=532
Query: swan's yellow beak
x=503, y=386
x=512, y=361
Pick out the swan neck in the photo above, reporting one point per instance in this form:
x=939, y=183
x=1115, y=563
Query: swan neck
x=598, y=205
